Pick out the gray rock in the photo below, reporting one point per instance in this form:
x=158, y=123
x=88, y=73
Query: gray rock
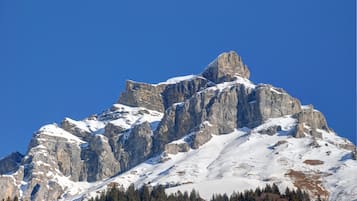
x=111, y=130
x=160, y=97
x=64, y=155
x=10, y=163
x=233, y=107
x=49, y=155
x=225, y=68
x=203, y=135
x=8, y=188
x=175, y=148
x=309, y=120
x=99, y=160
x=139, y=144
x=299, y=131
x=312, y=118
x=220, y=108
x=72, y=128
x=181, y=91
x=271, y=130
x=274, y=102
x=143, y=95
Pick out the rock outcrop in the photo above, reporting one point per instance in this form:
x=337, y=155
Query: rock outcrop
x=235, y=106
x=226, y=67
x=174, y=148
x=309, y=120
x=160, y=97
x=8, y=187
x=99, y=160
x=53, y=153
x=273, y=102
x=71, y=127
x=139, y=144
x=143, y=95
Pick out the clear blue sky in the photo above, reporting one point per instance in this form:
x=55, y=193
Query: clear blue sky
x=71, y=58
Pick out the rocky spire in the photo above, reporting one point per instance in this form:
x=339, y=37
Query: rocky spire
x=225, y=67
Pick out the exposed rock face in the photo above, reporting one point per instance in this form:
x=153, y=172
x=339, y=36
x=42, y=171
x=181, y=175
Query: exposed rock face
x=160, y=97
x=139, y=144
x=233, y=107
x=10, y=163
x=69, y=126
x=111, y=130
x=203, y=135
x=225, y=68
x=183, y=90
x=50, y=155
x=309, y=120
x=274, y=102
x=143, y=95
x=99, y=160
x=8, y=187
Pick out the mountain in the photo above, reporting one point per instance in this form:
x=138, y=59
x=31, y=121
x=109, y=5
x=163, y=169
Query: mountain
x=216, y=132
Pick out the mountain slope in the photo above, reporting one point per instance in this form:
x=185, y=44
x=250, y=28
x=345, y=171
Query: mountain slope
x=215, y=132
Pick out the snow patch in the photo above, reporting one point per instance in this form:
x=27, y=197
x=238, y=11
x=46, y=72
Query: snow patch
x=175, y=80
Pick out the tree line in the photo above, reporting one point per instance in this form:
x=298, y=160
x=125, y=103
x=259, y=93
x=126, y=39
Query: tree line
x=146, y=193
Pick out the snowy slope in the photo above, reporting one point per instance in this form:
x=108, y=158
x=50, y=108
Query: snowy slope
x=242, y=160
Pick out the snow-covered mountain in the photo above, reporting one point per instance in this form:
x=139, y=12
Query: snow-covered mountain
x=216, y=132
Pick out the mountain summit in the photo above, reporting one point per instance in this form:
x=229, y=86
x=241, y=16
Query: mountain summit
x=225, y=68
x=216, y=132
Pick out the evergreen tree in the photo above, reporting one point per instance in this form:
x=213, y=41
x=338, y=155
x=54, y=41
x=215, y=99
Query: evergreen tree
x=145, y=194
x=275, y=189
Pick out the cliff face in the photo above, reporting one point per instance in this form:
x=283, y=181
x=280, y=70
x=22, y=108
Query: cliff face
x=179, y=115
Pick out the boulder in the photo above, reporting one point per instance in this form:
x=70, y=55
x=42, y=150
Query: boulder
x=271, y=130
x=175, y=148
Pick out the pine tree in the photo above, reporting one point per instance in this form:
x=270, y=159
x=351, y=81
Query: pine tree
x=193, y=195
x=275, y=189
x=145, y=194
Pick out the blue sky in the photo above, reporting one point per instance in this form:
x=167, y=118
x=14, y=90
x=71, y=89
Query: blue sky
x=71, y=58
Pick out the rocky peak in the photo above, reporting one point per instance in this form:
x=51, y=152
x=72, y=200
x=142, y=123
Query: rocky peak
x=225, y=68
